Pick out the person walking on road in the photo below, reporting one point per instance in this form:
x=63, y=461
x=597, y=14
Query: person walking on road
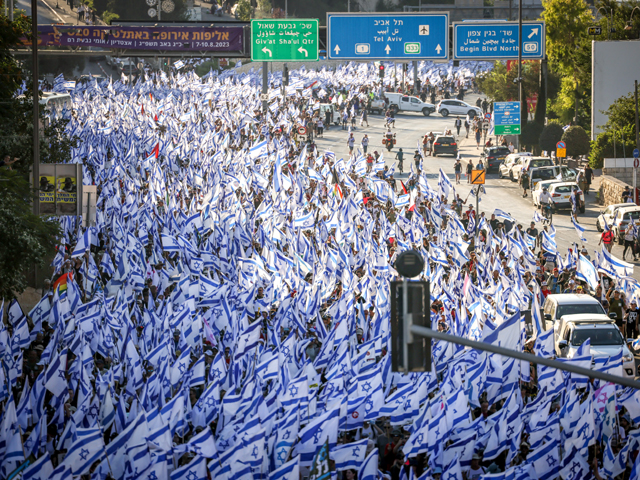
x=478, y=137
x=606, y=238
x=457, y=168
x=400, y=158
x=351, y=141
x=630, y=235
x=467, y=125
x=469, y=170
x=575, y=203
x=416, y=159
x=365, y=143
x=524, y=182
x=364, y=118
x=588, y=176
x=458, y=125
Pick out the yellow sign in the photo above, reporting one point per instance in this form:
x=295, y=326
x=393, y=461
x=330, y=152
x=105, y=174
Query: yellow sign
x=47, y=189
x=477, y=177
x=561, y=152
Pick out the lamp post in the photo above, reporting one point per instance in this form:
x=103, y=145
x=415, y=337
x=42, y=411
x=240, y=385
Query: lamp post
x=629, y=25
x=609, y=21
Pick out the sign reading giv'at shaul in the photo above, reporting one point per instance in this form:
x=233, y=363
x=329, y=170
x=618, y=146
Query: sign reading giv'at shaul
x=276, y=40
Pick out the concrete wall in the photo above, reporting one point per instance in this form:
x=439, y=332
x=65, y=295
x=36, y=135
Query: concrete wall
x=610, y=190
x=614, y=67
x=620, y=168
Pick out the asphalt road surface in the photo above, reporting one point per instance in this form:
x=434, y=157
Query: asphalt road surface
x=502, y=194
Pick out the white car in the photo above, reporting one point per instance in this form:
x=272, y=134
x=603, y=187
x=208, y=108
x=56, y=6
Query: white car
x=377, y=105
x=605, y=338
x=606, y=215
x=512, y=163
x=537, y=191
x=407, y=103
x=561, y=195
x=457, y=107
x=621, y=219
x=558, y=305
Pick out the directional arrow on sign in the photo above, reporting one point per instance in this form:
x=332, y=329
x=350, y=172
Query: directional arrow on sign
x=306, y=54
x=337, y=49
x=533, y=32
x=438, y=49
x=265, y=50
x=387, y=49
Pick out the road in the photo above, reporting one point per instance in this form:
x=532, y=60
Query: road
x=502, y=194
x=48, y=12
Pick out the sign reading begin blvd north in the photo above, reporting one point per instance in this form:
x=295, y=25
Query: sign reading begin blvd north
x=497, y=40
x=388, y=36
x=506, y=116
x=276, y=40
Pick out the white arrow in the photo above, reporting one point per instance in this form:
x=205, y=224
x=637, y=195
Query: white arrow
x=534, y=31
x=387, y=49
x=337, y=49
x=306, y=54
x=265, y=50
x=438, y=49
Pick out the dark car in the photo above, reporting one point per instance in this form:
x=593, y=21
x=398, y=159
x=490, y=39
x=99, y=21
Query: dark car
x=445, y=144
x=494, y=157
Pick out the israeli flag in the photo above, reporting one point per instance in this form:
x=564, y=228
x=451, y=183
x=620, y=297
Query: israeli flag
x=579, y=229
x=587, y=272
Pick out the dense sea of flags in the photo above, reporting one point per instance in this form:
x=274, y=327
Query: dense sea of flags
x=236, y=231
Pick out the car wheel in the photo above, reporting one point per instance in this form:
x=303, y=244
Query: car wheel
x=471, y=113
x=426, y=112
x=500, y=173
x=435, y=154
x=511, y=176
x=444, y=113
x=598, y=227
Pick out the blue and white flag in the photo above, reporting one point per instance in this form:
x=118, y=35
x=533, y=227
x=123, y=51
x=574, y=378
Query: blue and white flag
x=350, y=455
x=288, y=471
x=87, y=447
x=369, y=469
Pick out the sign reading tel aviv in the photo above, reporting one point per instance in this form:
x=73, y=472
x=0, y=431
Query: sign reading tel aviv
x=497, y=40
x=388, y=36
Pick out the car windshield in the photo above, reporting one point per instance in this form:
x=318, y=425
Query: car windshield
x=444, y=139
x=544, y=174
x=579, y=308
x=541, y=162
x=563, y=189
x=500, y=151
x=598, y=336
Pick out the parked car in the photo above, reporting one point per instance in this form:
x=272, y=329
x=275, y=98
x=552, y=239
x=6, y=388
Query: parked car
x=457, y=107
x=532, y=162
x=604, y=336
x=557, y=305
x=606, y=215
x=621, y=219
x=511, y=162
x=494, y=157
x=405, y=103
x=561, y=195
x=535, y=193
x=565, y=174
x=445, y=144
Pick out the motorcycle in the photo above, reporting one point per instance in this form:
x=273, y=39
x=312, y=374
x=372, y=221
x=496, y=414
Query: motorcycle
x=389, y=140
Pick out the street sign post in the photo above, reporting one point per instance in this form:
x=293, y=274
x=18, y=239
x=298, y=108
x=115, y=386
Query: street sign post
x=478, y=177
x=594, y=30
x=388, y=36
x=636, y=153
x=498, y=40
x=276, y=40
x=636, y=164
x=561, y=149
x=506, y=117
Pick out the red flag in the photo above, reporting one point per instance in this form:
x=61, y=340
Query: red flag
x=155, y=151
x=403, y=187
x=142, y=110
x=156, y=117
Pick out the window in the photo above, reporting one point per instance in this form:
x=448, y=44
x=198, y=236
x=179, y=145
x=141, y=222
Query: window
x=415, y=100
x=405, y=99
x=598, y=336
x=567, y=334
x=580, y=308
x=563, y=189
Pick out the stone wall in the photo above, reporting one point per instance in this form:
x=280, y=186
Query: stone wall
x=620, y=168
x=610, y=190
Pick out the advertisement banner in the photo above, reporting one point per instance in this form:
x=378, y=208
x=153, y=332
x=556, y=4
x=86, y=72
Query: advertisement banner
x=212, y=39
x=66, y=194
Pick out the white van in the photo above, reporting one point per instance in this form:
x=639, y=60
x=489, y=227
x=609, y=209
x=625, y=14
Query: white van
x=560, y=304
x=405, y=103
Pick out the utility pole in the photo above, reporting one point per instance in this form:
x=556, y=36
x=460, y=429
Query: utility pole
x=520, y=62
x=635, y=191
x=415, y=77
x=265, y=87
x=36, y=107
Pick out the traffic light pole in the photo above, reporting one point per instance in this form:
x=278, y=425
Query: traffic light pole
x=265, y=87
x=36, y=106
x=527, y=357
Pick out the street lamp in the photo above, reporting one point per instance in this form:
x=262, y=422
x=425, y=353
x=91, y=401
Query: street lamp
x=609, y=21
x=629, y=25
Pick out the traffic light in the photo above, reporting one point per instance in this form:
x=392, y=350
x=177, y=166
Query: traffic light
x=381, y=71
x=285, y=76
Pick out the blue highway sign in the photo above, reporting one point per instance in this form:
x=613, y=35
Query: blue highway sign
x=506, y=118
x=382, y=36
x=497, y=40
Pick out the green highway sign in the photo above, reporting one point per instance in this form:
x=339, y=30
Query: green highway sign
x=506, y=116
x=274, y=40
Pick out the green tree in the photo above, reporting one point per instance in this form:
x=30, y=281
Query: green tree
x=25, y=238
x=577, y=141
x=569, y=53
x=550, y=136
x=243, y=10
x=530, y=136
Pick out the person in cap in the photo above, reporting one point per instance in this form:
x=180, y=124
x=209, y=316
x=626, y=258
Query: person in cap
x=476, y=470
x=585, y=253
x=545, y=289
x=436, y=473
x=555, y=281
x=631, y=319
